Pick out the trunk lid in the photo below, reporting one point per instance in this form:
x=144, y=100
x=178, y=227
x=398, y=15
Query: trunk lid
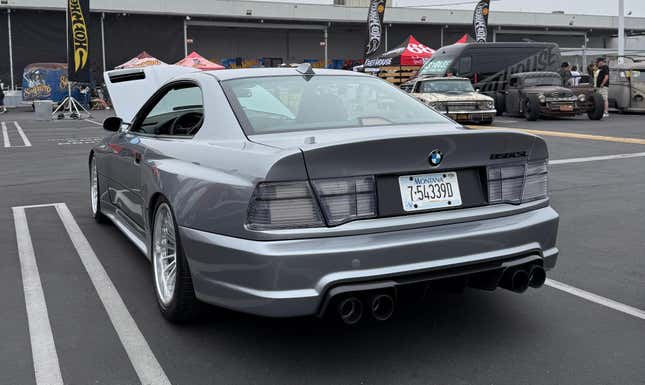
x=401, y=150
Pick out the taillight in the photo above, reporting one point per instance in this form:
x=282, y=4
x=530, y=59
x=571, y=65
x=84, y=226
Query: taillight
x=346, y=199
x=283, y=205
x=517, y=183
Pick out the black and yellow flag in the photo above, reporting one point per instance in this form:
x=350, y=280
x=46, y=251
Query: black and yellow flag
x=374, y=27
x=78, y=14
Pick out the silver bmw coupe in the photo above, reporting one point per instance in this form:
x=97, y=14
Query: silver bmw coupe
x=293, y=191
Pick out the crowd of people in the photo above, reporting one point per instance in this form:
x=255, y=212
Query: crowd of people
x=598, y=73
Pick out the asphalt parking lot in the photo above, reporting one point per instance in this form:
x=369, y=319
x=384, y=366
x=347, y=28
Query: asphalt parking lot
x=587, y=326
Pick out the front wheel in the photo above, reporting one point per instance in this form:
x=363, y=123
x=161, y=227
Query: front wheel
x=172, y=279
x=531, y=109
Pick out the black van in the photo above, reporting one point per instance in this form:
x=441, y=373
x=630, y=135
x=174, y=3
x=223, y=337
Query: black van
x=489, y=65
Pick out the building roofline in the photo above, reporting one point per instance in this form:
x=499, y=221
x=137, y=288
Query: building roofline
x=259, y=10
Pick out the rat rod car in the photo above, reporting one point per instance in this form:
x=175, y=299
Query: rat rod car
x=537, y=94
x=455, y=98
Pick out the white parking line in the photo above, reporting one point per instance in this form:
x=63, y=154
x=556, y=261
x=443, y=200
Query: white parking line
x=22, y=135
x=143, y=359
x=93, y=122
x=596, y=158
x=45, y=358
x=43, y=350
x=610, y=303
x=5, y=135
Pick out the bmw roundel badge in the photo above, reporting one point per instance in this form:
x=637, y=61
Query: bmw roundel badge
x=435, y=158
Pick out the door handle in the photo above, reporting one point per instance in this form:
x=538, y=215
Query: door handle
x=137, y=158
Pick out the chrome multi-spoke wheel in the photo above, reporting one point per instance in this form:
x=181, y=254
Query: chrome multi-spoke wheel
x=94, y=187
x=164, y=254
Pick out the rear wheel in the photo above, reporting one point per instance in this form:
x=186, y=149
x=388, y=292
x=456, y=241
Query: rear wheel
x=172, y=279
x=531, y=109
x=95, y=201
x=598, y=107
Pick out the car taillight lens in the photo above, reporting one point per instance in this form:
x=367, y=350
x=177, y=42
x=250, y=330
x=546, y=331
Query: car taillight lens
x=283, y=205
x=517, y=183
x=346, y=199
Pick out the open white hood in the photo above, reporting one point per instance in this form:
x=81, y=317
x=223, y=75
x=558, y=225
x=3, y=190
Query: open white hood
x=130, y=88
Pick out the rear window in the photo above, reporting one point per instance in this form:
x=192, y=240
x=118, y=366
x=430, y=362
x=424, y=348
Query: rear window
x=296, y=103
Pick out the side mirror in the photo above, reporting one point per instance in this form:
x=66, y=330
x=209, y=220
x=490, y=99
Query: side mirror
x=112, y=123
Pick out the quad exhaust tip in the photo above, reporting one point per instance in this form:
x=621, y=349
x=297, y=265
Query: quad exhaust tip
x=382, y=306
x=537, y=276
x=515, y=280
x=350, y=310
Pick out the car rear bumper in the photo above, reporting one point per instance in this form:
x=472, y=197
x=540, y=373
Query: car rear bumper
x=292, y=277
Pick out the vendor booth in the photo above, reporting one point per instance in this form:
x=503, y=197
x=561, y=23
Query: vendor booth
x=143, y=59
x=195, y=60
x=401, y=63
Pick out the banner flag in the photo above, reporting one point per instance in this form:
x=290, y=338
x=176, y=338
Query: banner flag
x=374, y=27
x=78, y=63
x=480, y=21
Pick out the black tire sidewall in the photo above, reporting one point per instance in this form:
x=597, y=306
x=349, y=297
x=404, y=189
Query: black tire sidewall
x=598, y=107
x=531, y=113
x=98, y=215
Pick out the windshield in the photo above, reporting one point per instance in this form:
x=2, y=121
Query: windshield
x=295, y=103
x=436, y=66
x=446, y=86
x=543, y=81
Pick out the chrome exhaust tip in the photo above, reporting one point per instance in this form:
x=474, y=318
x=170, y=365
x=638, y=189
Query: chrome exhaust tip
x=350, y=310
x=382, y=306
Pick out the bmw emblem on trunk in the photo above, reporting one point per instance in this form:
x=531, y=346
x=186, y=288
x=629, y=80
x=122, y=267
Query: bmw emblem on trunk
x=435, y=158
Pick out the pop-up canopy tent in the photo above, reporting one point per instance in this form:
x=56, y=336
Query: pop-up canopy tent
x=465, y=39
x=408, y=53
x=143, y=59
x=197, y=61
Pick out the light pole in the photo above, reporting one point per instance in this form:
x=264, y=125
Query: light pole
x=621, y=31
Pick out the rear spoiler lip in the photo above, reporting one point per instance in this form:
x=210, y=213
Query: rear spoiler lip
x=127, y=74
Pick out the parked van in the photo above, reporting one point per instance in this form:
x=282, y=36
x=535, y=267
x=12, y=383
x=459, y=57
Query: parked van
x=627, y=85
x=490, y=65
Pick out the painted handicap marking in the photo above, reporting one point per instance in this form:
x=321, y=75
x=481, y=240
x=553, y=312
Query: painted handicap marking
x=45, y=357
x=76, y=140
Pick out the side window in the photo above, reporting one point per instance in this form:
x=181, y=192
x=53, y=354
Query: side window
x=465, y=65
x=179, y=112
x=514, y=82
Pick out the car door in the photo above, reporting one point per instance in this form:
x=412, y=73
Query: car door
x=173, y=112
x=512, y=96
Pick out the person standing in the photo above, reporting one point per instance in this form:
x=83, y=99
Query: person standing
x=602, y=82
x=3, y=109
x=575, y=76
x=565, y=74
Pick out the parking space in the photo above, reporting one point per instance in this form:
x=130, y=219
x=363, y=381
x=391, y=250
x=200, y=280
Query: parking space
x=79, y=308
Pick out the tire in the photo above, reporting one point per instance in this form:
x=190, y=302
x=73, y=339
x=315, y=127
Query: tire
x=598, y=107
x=531, y=109
x=499, y=104
x=95, y=201
x=177, y=301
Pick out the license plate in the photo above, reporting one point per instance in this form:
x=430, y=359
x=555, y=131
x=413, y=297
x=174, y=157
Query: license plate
x=566, y=107
x=429, y=191
x=462, y=117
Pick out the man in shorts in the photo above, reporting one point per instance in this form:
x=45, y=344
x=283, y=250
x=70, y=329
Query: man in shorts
x=602, y=83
